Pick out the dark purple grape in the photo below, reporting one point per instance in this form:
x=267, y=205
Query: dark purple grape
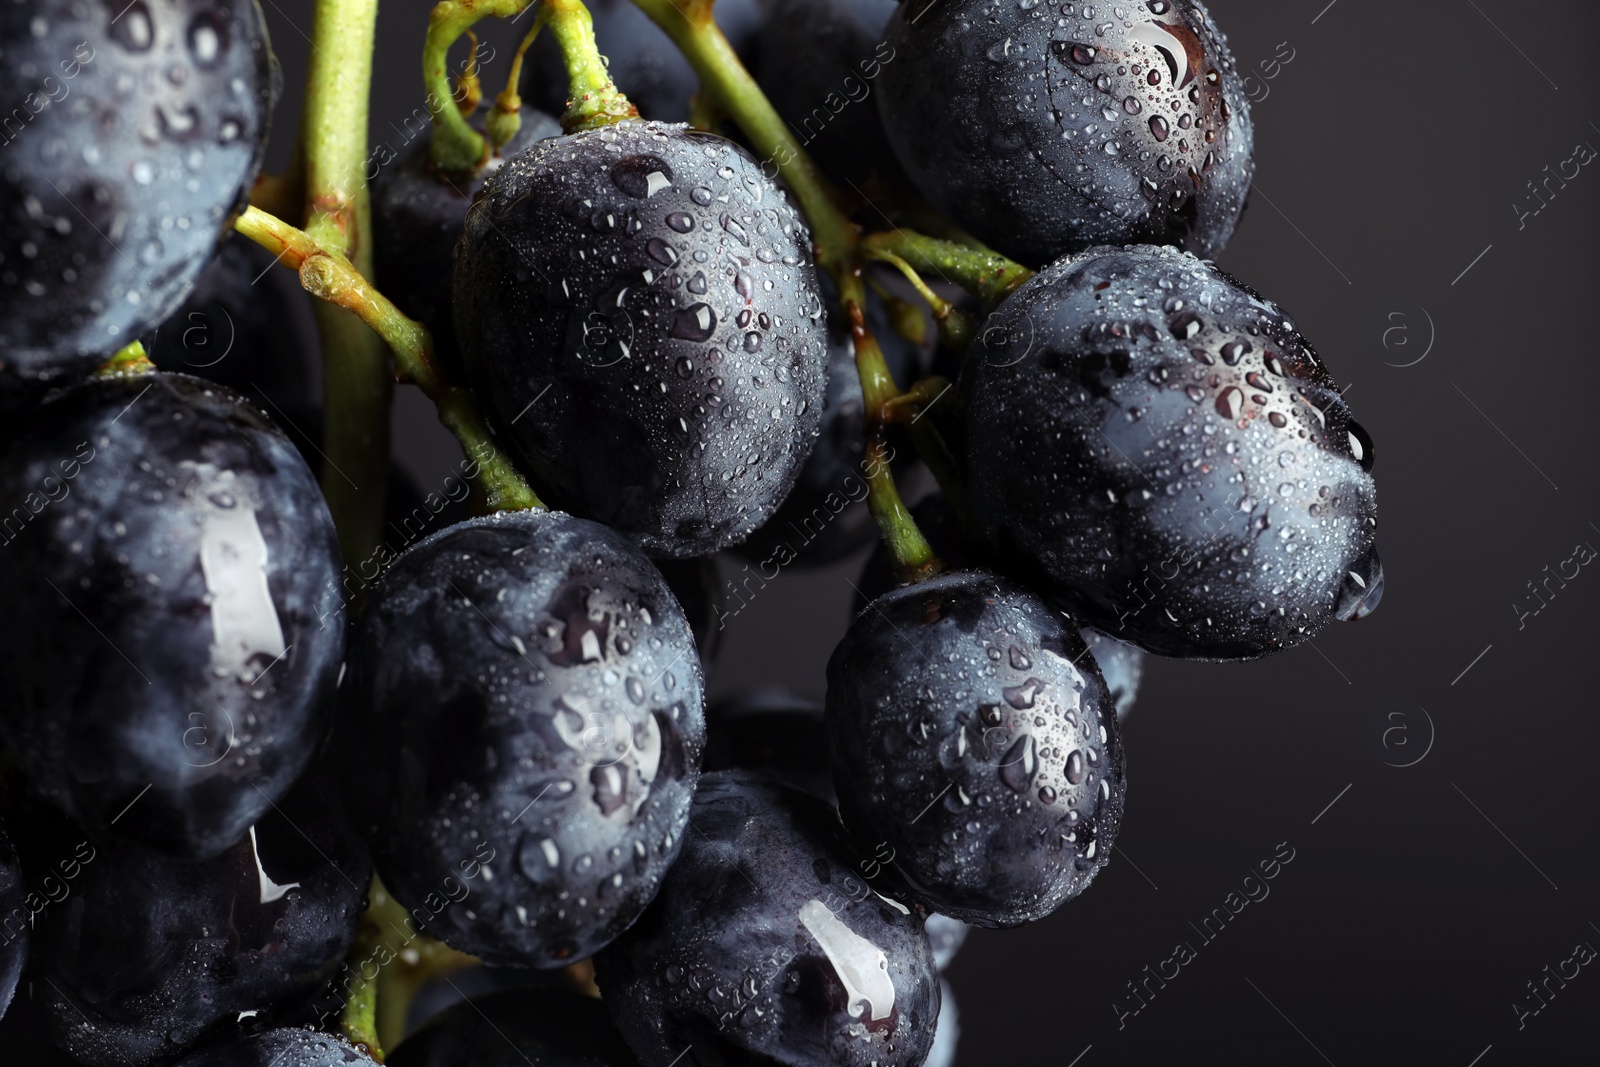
x=134, y=131
x=147, y=956
x=1121, y=664
x=975, y=747
x=1157, y=445
x=1048, y=128
x=528, y=734
x=281, y=1048
x=638, y=308
x=764, y=948
x=174, y=637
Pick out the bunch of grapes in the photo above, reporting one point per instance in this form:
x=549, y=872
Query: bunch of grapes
x=273, y=793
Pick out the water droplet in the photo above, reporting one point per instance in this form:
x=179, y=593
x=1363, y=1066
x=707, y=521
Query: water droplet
x=681, y=221
x=1081, y=54
x=1230, y=405
x=642, y=177
x=1075, y=767
x=1022, y=696
x=1018, y=765
x=1374, y=597
x=133, y=28
x=610, y=788
x=208, y=39
x=1159, y=128
x=1186, y=325
x=539, y=859
x=696, y=323
x=177, y=122
x=1361, y=445
x=735, y=230
x=661, y=252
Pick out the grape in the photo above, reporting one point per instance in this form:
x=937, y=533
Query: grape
x=975, y=744
x=145, y=124
x=764, y=947
x=1158, y=446
x=281, y=1048
x=527, y=735
x=174, y=637
x=638, y=307
x=148, y=956
x=1048, y=128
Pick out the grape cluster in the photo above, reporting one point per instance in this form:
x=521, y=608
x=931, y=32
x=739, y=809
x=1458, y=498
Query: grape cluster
x=256, y=779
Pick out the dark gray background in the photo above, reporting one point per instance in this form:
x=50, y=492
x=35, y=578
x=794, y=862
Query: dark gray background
x=1392, y=151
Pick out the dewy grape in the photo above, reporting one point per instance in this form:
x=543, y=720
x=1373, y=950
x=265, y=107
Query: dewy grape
x=363, y=775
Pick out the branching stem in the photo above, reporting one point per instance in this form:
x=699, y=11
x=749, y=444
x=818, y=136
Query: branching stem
x=355, y=382
x=595, y=101
x=326, y=273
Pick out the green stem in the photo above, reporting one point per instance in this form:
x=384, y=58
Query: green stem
x=130, y=361
x=927, y=395
x=913, y=556
x=355, y=379
x=326, y=273
x=403, y=960
x=956, y=328
x=505, y=120
x=985, y=273
x=359, y=1021
x=914, y=410
x=457, y=148
x=595, y=101
x=469, y=89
